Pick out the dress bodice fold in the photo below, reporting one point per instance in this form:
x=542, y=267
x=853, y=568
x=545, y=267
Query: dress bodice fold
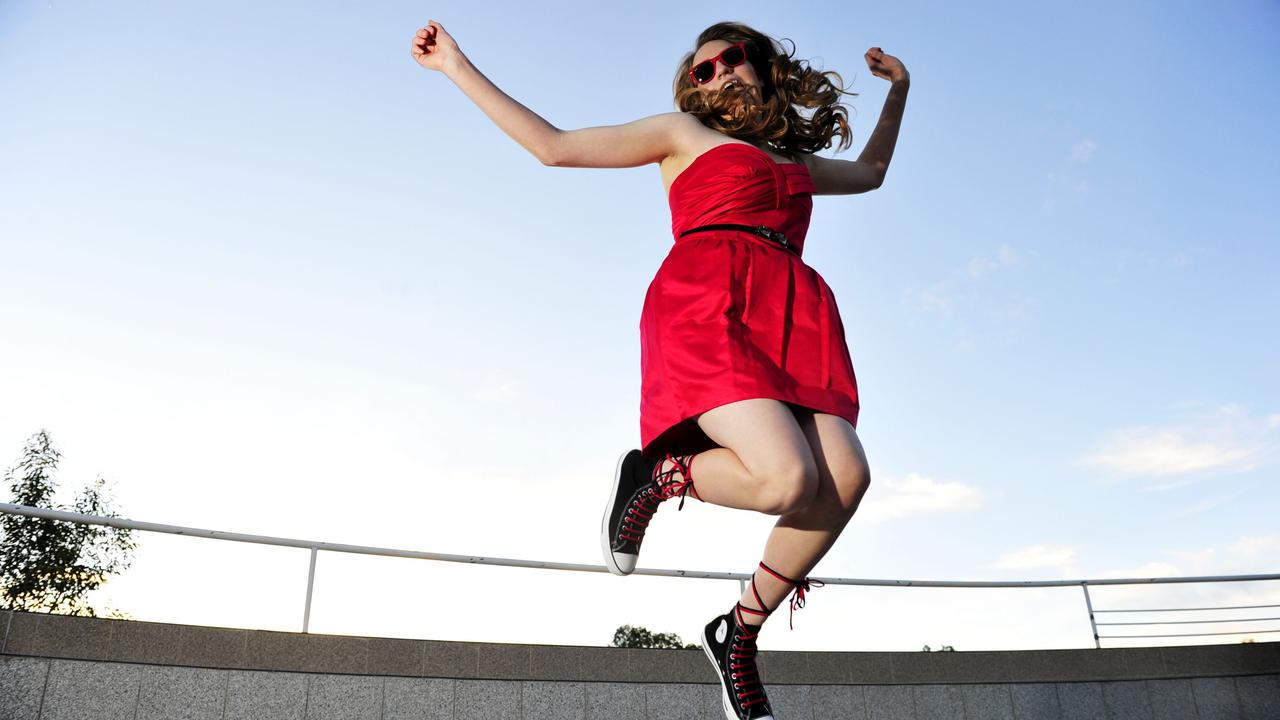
x=736, y=182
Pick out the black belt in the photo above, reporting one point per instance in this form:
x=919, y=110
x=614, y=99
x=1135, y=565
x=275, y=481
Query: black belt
x=767, y=233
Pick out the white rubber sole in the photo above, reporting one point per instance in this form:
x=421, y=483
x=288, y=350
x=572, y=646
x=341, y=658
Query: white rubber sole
x=606, y=544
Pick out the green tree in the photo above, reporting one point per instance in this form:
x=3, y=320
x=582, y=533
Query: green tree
x=51, y=565
x=628, y=636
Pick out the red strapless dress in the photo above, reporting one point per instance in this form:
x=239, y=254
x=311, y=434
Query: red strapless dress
x=731, y=315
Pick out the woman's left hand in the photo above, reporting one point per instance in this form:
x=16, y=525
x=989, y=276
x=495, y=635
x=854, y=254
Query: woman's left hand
x=886, y=66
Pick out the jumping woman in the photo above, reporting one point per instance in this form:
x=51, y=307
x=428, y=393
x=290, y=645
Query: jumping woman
x=748, y=397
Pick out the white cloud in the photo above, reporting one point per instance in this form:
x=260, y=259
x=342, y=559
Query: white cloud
x=935, y=299
x=1018, y=311
x=1227, y=439
x=1260, y=548
x=980, y=265
x=1153, y=569
x=917, y=495
x=1065, y=184
x=1083, y=150
x=1247, y=556
x=1151, y=451
x=1037, y=556
x=1005, y=258
x=946, y=296
x=1170, y=485
x=1197, y=558
x=1131, y=259
x=1205, y=505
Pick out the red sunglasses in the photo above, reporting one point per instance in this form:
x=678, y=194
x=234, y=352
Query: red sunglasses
x=732, y=56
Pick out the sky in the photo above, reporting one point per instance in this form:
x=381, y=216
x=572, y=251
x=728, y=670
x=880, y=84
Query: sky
x=263, y=273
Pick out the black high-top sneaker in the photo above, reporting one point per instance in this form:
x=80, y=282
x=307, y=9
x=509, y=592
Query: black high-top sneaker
x=730, y=645
x=638, y=488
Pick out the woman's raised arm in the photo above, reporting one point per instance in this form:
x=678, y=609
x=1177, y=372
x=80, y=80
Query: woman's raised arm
x=846, y=177
x=636, y=143
x=640, y=142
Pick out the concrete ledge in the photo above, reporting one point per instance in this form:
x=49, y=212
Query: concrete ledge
x=127, y=641
x=33, y=688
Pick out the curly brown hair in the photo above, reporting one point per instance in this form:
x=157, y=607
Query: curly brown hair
x=787, y=83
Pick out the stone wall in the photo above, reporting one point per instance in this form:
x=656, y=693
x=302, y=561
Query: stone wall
x=54, y=666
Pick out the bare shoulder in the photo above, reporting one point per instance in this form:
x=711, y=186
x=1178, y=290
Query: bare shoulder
x=691, y=139
x=690, y=136
x=678, y=123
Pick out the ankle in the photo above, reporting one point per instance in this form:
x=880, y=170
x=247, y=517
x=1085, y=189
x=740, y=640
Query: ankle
x=673, y=476
x=673, y=469
x=664, y=469
x=747, y=616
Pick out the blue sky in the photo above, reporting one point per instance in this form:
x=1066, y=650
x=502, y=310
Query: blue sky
x=263, y=273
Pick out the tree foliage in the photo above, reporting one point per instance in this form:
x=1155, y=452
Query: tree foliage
x=51, y=565
x=628, y=636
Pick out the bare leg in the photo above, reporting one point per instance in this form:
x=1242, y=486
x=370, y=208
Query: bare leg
x=803, y=535
x=770, y=468
x=800, y=539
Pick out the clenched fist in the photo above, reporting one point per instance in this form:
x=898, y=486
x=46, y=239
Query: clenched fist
x=884, y=65
x=433, y=48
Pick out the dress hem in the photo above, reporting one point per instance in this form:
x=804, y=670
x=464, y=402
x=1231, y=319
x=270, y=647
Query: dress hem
x=685, y=437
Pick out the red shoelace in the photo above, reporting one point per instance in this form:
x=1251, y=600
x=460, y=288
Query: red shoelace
x=664, y=488
x=800, y=586
x=746, y=679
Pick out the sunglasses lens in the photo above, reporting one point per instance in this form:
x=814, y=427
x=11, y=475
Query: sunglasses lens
x=703, y=71
x=732, y=57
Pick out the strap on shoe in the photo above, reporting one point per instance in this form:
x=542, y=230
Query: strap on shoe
x=800, y=586
x=669, y=487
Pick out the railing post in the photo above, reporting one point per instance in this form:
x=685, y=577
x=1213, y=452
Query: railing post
x=1084, y=585
x=311, y=583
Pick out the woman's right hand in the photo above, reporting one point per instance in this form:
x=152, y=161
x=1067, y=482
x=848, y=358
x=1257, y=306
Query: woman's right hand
x=884, y=65
x=434, y=48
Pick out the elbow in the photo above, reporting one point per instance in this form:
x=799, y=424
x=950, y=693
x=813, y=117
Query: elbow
x=867, y=186
x=547, y=153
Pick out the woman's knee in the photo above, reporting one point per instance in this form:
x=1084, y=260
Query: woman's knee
x=851, y=484
x=767, y=439
x=845, y=473
x=790, y=487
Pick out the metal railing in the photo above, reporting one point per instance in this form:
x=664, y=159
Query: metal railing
x=315, y=546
